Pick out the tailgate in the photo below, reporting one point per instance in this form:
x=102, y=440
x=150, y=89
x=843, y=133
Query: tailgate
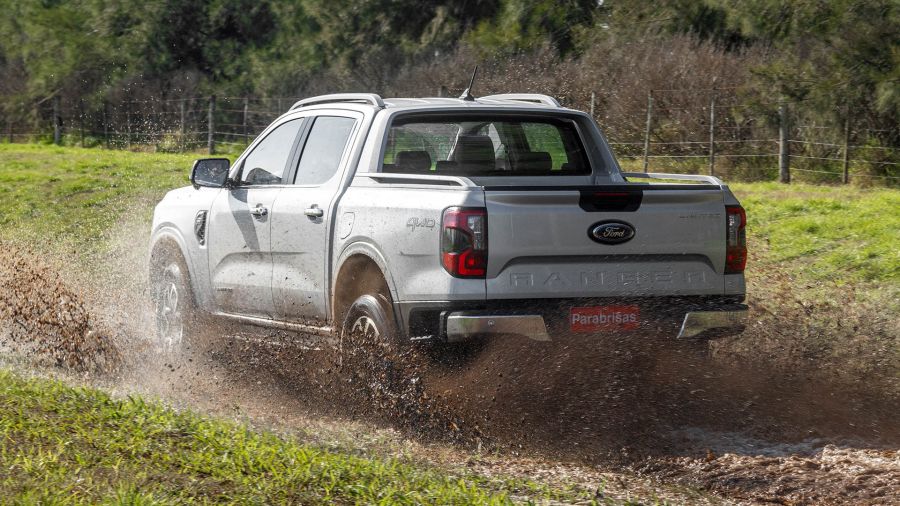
x=541, y=245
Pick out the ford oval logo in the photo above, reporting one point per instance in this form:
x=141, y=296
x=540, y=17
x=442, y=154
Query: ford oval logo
x=611, y=232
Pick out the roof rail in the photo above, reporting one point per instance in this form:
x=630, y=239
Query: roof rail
x=526, y=97
x=369, y=98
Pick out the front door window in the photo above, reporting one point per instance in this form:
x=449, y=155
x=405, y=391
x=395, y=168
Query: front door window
x=266, y=164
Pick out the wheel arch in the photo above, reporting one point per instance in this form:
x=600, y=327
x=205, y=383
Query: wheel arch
x=355, y=269
x=167, y=240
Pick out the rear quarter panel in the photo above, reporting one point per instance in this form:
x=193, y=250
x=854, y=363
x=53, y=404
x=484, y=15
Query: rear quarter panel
x=402, y=224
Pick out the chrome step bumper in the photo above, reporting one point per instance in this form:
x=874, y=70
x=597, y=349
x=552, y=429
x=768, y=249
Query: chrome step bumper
x=713, y=323
x=461, y=327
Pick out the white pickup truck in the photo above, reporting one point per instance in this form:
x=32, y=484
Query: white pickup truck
x=446, y=220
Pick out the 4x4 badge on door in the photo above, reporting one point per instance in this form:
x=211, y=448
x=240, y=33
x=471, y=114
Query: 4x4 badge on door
x=611, y=232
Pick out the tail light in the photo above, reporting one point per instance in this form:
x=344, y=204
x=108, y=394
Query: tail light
x=736, y=243
x=464, y=248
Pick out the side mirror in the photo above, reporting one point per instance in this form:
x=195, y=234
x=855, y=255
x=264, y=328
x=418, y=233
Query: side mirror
x=210, y=172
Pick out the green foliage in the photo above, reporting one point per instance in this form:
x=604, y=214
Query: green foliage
x=840, y=60
x=841, y=57
x=705, y=19
x=523, y=24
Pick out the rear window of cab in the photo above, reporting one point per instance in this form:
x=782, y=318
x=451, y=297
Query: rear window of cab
x=485, y=145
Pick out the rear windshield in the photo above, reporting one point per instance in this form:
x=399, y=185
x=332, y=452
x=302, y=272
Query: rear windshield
x=467, y=145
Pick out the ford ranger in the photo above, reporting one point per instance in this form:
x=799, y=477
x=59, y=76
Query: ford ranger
x=446, y=220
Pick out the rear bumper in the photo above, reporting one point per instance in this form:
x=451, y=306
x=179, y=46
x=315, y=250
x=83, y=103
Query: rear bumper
x=683, y=318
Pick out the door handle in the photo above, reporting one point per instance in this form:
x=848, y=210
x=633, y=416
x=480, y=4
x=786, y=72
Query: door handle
x=314, y=212
x=259, y=211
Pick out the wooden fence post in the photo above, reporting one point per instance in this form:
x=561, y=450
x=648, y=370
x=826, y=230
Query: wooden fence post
x=647, y=129
x=9, y=129
x=593, y=99
x=181, y=143
x=211, y=125
x=244, y=118
x=81, y=120
x=846, y=178
x=36, y=127
x=784, y=151
x=128, y=125
x=57, y=122
x=712, y=134
x=105, y=123
x=152, y=128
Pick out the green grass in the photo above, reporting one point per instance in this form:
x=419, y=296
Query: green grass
x=64, y=445
x=79, y=192
x=825, y=233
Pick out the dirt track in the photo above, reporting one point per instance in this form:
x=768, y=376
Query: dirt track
x=569, y=411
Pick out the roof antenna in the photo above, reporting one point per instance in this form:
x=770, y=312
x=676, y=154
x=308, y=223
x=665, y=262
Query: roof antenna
x=467, y=95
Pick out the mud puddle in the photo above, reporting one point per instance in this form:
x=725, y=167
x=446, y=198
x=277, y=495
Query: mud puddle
x=621, y=421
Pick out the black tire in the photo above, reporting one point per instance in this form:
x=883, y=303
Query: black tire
x=376, y=312
x=175, y=311
x=372, y=317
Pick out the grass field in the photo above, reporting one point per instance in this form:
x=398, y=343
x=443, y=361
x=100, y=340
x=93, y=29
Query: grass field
x=73, y=192
x=843, y=234
x=63, y=445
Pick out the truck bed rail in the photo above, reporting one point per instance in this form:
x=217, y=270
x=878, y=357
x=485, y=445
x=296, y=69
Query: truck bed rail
x=712, y=180
x=525, y=97
x=426, y=179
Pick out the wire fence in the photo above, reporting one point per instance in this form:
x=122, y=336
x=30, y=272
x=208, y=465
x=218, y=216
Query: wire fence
x=687, y=131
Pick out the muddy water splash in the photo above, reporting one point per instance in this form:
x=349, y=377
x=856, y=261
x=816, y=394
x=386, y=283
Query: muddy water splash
x=45, y=319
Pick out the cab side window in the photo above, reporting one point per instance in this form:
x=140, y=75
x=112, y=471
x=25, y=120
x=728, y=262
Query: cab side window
x=265, y=165
x=324, y=149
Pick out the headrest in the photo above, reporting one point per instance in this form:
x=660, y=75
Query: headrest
x=534, y=161
x=412, y=161
x=475, y=151
x=446, y=166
